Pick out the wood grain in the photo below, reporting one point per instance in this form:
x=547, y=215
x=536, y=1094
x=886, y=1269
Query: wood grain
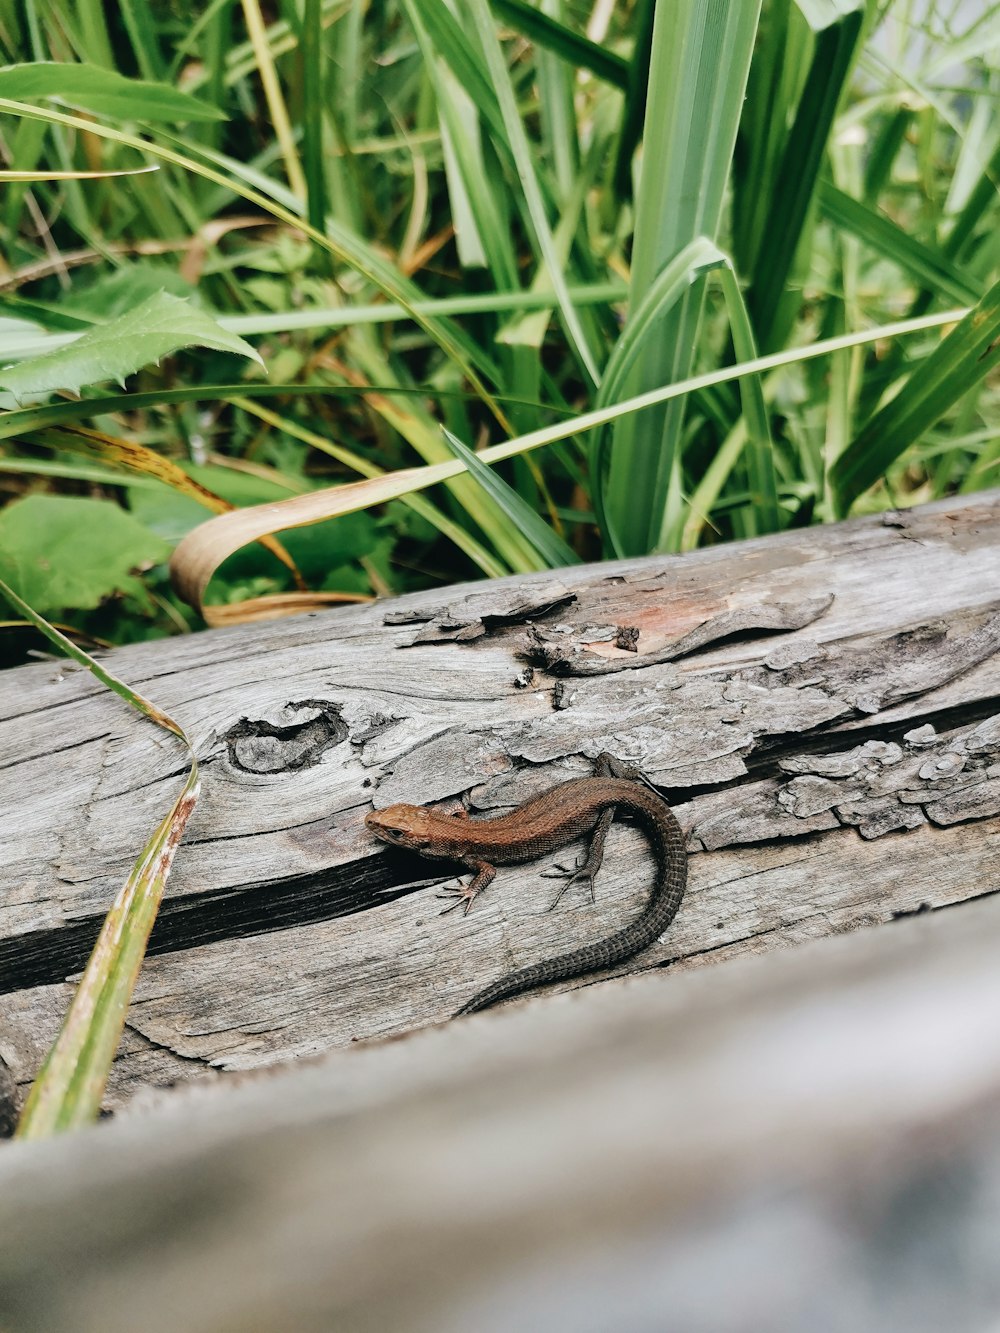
x=839, y=774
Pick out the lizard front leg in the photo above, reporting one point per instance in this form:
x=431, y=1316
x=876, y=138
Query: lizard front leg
x=465, y=893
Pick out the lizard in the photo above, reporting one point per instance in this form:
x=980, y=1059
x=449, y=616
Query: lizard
x=543, y=824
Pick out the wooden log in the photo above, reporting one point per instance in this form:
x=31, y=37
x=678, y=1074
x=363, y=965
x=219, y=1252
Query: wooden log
x=821, y=708
x=803, y=1140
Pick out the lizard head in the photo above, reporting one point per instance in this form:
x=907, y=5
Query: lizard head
x=402, y=825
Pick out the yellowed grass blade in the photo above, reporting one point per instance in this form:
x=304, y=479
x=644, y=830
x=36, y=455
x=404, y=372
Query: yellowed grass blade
x=137, y=458
x=202, y=551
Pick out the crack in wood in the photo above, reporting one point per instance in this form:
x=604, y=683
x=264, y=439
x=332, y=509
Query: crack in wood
x=43, y=957
x=198, y=1060
x=689, y=730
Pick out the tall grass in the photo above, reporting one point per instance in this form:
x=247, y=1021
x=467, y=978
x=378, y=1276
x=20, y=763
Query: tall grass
x=493, y=219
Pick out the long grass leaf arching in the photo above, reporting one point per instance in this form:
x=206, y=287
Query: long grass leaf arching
x=549, y=546
x=961, y=360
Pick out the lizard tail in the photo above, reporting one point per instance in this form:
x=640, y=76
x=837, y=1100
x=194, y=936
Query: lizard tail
x=669, y=843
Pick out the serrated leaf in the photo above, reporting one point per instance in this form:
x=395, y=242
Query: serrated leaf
x=62, y=551
x=159, y=326
x=104, y=92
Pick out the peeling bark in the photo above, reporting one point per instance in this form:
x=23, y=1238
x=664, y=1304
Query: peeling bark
x=822, y=709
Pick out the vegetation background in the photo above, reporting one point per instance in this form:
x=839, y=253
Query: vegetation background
x=369, y=222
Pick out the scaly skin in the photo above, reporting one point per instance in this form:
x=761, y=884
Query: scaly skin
x=536, y=828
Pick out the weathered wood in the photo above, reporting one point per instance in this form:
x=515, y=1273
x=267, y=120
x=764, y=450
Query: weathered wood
x=287, y=930
x=801, y=1141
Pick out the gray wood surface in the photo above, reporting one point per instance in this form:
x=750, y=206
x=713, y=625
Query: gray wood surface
x=821, y=708
x=802, y=1142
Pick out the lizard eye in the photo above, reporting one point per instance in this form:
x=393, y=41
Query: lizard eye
x=392, y=832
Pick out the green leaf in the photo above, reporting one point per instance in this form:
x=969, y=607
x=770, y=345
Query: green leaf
x=452, y=42
x=59, y=551
x=955, y=366
x=636, y=88
x=547, y=543
x=671, y=284
x=103, y=91
x=760, y=460
x=159, y=326
x=351, y=249
x=517, y=143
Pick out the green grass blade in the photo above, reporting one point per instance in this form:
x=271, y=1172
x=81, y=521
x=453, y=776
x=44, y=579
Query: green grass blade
x=464, y=540
x=465, y=61
x=983, y=194
x=483, y=232
x=798, y=174
x=19, y=344
x=552, y=36
x=313, y=118
x=552, y=549
x=884, y=151
x=763, y=487
x=560, y=138
x=202, y=550
x=94, y=34
x=67, y=1092
x=351, y=250
x=671, y=284
x=634, y=110
x=958, y=363
x=520, y=151
x=104, y=92
x=929, y=267
x=277, y=109
x=141, y=29
x=698, y=72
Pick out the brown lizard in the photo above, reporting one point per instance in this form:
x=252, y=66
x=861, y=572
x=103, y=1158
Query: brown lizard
x=575, y=807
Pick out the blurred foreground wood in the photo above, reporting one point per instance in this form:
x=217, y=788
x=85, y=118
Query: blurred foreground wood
x=799, y=1141
x=820, y=707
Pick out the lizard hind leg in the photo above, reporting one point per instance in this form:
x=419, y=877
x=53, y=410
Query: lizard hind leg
x=573, y=874
x=607, y=766
x=585, y=870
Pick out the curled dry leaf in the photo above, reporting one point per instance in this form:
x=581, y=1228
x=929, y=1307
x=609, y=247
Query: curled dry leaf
x=203, y=550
